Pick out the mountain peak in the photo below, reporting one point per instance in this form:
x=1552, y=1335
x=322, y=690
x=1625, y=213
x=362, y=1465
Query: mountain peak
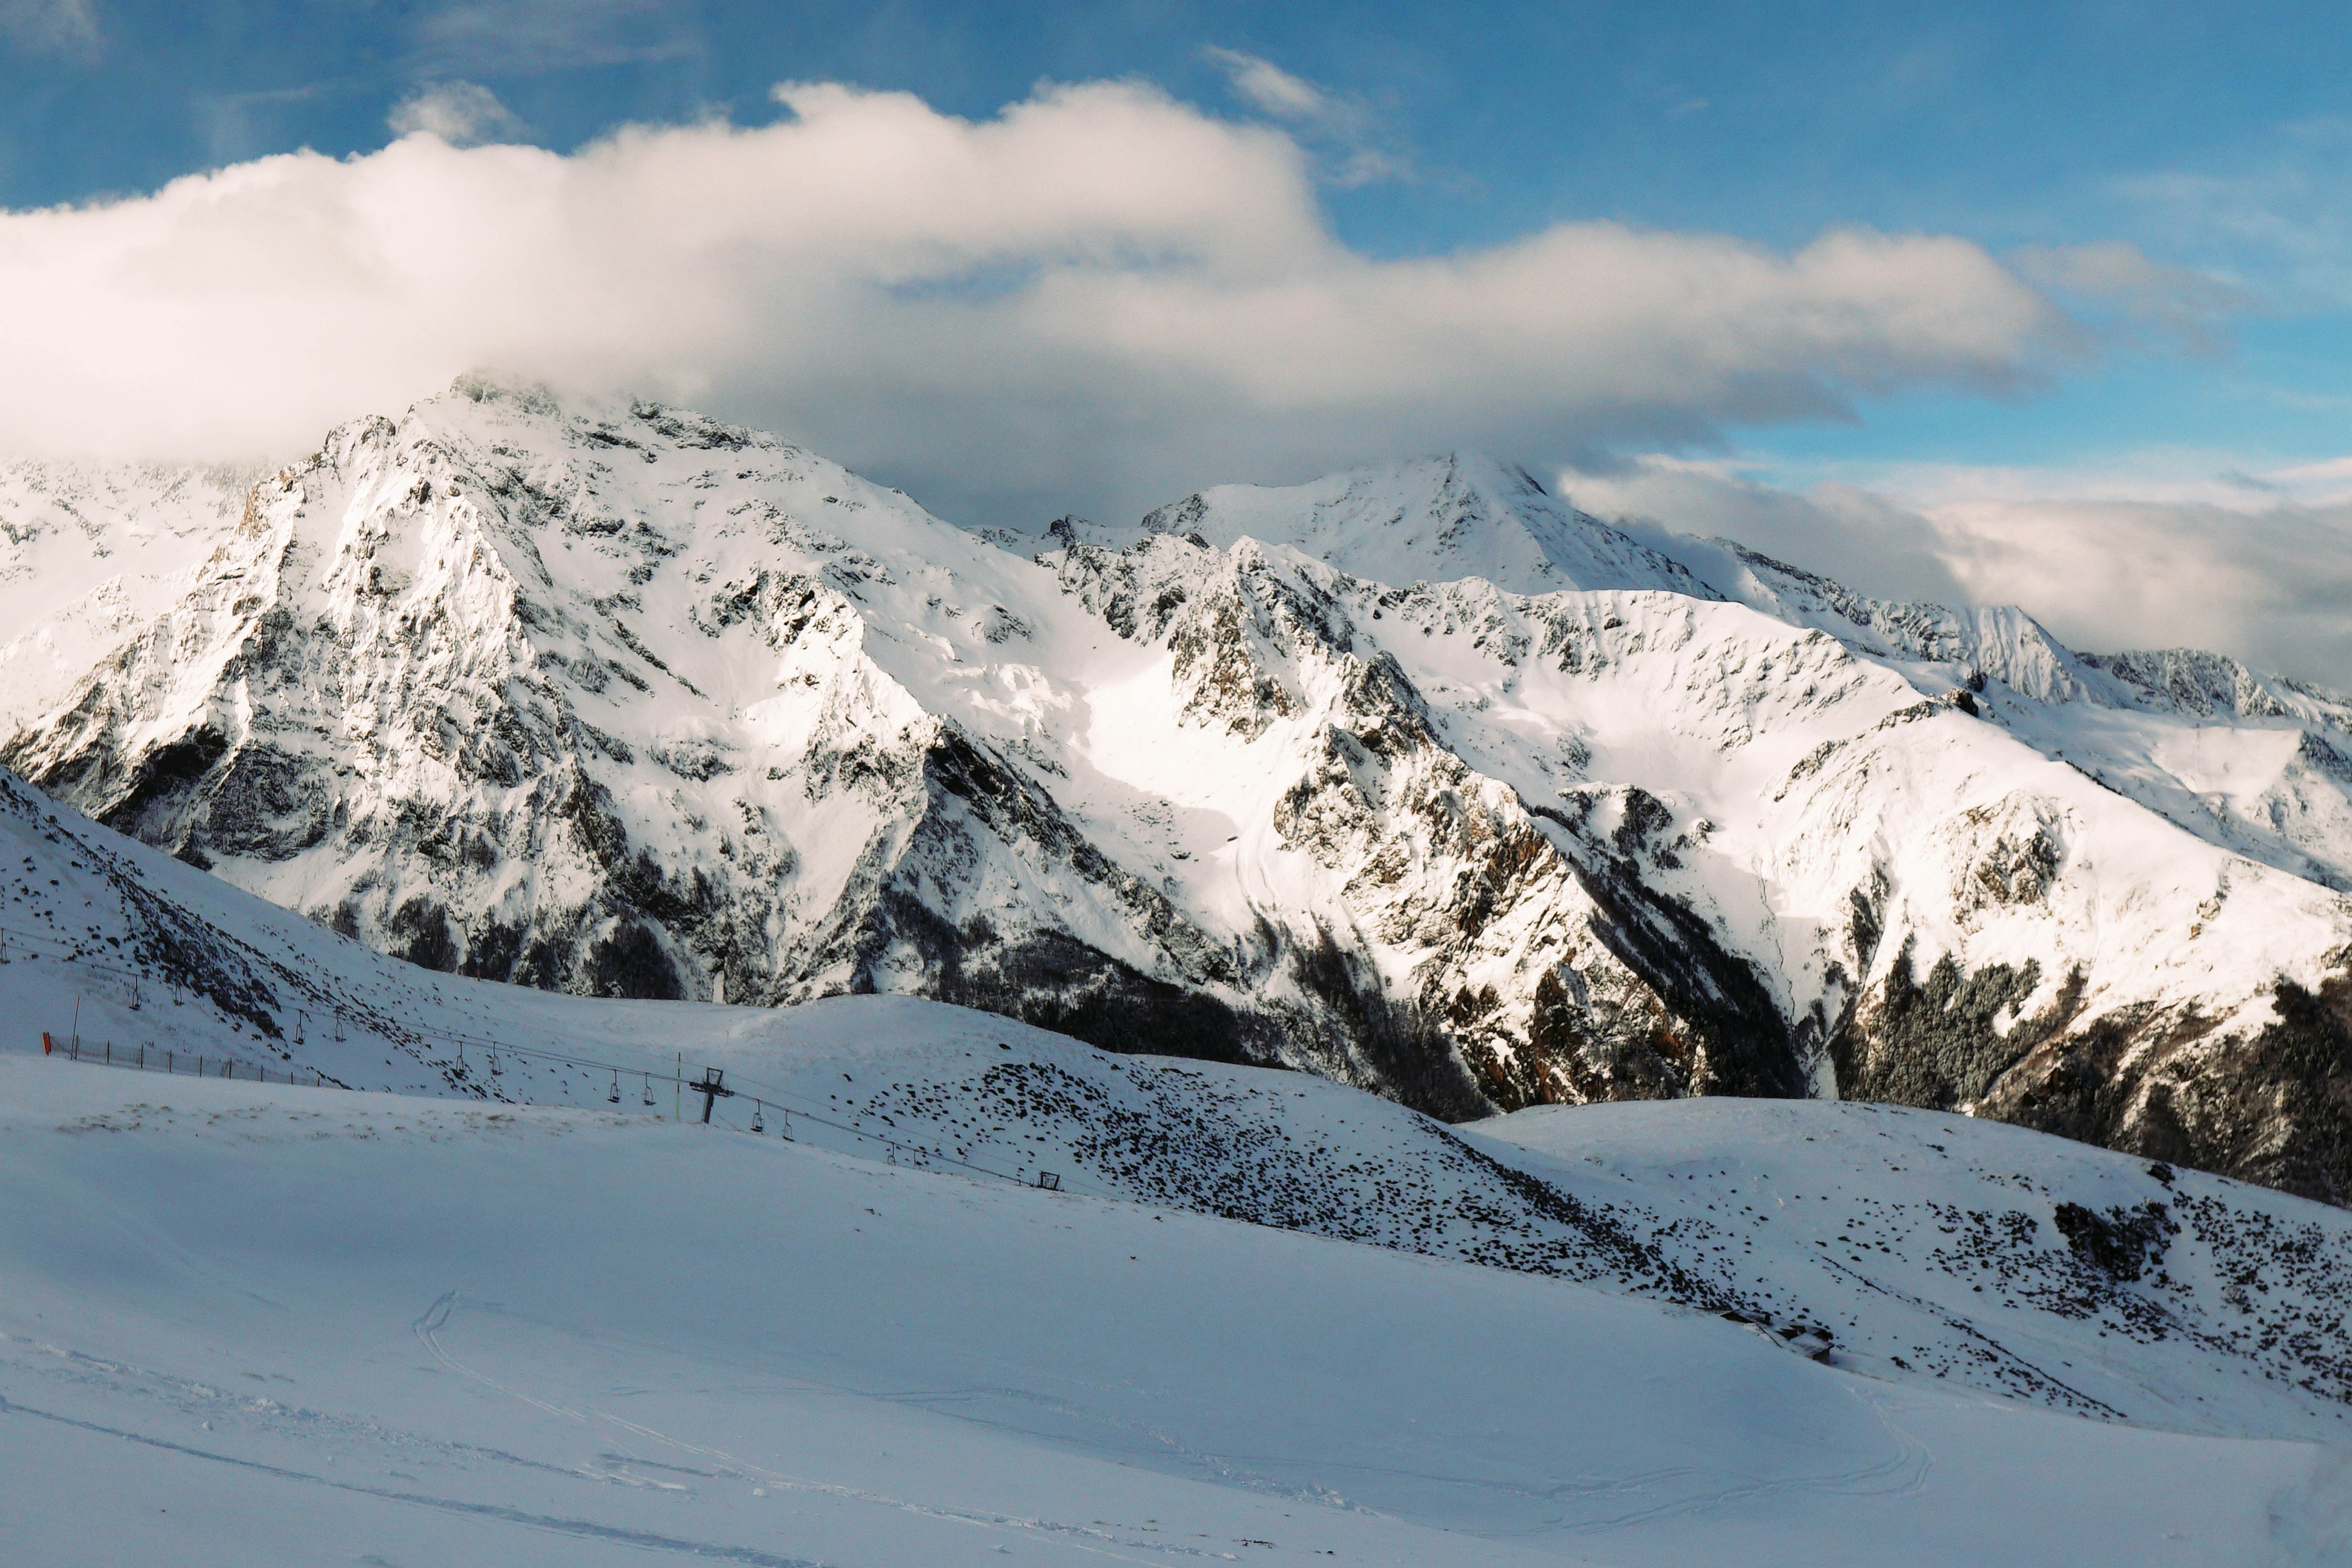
x=1434, y=519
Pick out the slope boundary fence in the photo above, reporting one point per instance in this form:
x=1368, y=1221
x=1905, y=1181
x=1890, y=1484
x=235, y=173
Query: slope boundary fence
x=781, y=1105
x=180, y=1064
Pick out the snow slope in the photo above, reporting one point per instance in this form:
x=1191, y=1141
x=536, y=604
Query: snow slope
x=92, y=551
x=2255, y=762
x=268, y=1325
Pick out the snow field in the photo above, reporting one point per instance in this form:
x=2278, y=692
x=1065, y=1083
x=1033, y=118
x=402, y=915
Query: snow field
x=270, y=1326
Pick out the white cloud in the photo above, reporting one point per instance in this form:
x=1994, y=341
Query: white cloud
x=2179, y=306
x=237, y=125
x=461, y=113
x=64, y=26
x=1097, y=298
x=1342, y=122
x=2165, y=550
x=2272, y=586
x=1863, y=539
x=1267, y=86
x=2335, y=474
x=2279, y=222
x=502, y=37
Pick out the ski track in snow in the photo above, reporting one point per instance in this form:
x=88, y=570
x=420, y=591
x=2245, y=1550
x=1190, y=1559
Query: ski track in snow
x=582, y=1527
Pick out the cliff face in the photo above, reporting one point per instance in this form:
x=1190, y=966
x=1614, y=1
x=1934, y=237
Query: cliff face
x=631, y=703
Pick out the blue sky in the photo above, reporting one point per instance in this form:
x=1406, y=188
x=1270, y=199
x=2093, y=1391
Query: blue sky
x=2012, y=124
x=2170, y=184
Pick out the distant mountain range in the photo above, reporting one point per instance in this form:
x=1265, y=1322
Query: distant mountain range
x=1416, y=777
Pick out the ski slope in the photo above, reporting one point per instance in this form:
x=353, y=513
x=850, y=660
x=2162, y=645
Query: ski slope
x=252, y=1325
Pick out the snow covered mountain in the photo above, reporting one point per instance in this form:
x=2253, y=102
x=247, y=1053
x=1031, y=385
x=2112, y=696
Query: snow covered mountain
x=92, y=552
x=1418, y=779
x=2258, y=763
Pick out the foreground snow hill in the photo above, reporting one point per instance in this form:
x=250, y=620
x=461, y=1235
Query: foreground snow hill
x=272, y=1325
x=1421, y=780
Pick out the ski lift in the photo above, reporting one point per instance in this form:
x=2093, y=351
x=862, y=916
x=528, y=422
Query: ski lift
x=756, y=1125
x=614, y=1097
x=649, y=1087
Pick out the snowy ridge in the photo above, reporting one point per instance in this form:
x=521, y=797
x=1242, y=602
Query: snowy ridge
x=2259, y=763
x=625, y=702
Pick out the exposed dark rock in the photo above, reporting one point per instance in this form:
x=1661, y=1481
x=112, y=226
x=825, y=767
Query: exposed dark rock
x=2122, y=1243
x=421, y=933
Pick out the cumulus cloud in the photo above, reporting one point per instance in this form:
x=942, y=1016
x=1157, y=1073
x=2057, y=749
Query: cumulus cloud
x=62, y=26
x=461, y=113
x=1096, y=298
x=2170, y=550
